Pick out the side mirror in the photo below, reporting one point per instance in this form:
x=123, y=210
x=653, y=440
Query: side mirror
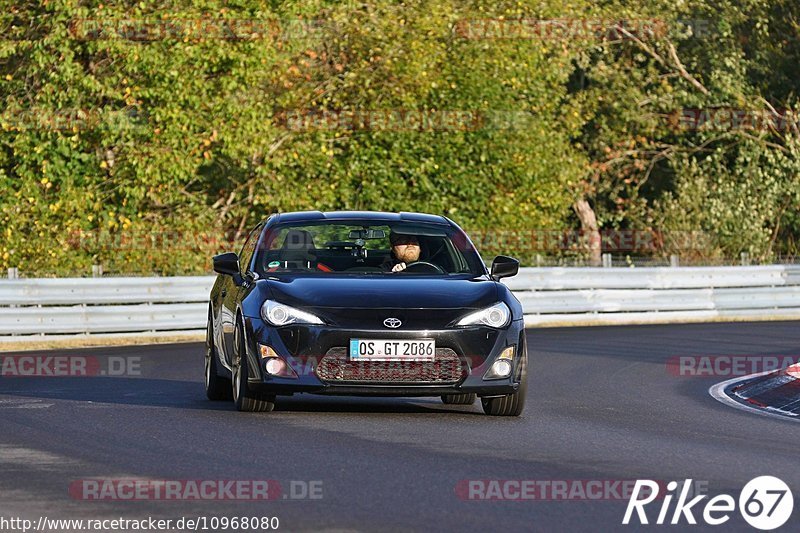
x=226, y=264
x=504, y=267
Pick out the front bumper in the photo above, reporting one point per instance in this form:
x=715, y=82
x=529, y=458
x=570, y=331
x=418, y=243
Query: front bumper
x=304, y=348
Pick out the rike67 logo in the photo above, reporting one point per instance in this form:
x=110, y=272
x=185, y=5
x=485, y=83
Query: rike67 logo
x=765, y=503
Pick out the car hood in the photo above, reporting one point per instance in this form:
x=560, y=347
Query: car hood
x=358, y=302
x=380, y=293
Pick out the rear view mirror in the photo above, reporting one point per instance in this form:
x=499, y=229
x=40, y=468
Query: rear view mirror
x=504, y=267
x=226, y=264
x=368, y=234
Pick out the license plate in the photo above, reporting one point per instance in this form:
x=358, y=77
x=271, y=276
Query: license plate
x=392, y=350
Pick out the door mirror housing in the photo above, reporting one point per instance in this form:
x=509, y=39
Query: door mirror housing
x=504, y=267
x=226, y=264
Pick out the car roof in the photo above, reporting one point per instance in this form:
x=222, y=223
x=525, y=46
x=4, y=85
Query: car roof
x=360, y=215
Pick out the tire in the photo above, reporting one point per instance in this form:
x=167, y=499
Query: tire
x=217, y=388
x=511, y=404
x=459, y=399
x=243, y=398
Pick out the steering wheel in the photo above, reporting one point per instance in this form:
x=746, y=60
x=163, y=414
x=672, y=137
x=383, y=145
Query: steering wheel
x=425, y=267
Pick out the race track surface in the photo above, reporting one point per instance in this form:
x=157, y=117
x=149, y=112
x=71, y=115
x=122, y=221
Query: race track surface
x=601, y=406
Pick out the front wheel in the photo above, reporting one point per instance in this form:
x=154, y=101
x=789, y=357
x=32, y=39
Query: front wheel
x=243, y=398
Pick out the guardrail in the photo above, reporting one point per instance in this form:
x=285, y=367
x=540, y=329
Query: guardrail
x=103, y=305
x=549, y=296
x=552, y=296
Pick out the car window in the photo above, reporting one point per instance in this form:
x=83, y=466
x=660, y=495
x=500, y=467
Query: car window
x=365, y=247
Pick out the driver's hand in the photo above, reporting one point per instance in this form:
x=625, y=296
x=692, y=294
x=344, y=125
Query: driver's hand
x=399, y=267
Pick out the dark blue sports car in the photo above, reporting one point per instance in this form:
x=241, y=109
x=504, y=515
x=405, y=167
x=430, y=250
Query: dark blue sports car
x=364, y=303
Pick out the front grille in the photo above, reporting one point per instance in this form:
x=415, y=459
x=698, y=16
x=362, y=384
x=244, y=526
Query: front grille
x=336, y=367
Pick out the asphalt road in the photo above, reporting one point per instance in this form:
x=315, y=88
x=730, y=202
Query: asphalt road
x=601, y=406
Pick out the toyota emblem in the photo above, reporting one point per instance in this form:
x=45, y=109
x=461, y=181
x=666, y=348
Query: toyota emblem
x=392, y=323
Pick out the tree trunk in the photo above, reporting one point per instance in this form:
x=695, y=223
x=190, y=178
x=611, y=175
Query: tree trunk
x=590, y=230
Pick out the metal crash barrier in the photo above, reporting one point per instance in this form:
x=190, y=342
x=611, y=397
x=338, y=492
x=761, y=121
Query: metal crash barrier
x=549, y=296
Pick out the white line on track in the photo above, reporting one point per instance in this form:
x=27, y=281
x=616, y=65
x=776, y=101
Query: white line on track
x=24, y=404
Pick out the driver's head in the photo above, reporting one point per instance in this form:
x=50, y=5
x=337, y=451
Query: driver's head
x=405, y=247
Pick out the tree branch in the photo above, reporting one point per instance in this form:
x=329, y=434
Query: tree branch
x=677, y=66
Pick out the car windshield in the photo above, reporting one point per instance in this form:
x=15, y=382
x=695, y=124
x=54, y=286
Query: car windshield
x=367, y=248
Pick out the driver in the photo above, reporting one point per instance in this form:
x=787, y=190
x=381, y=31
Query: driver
x=405, y=250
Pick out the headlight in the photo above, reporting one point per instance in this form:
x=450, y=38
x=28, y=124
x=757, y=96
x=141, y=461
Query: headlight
x=496, y=316
x=279, y=314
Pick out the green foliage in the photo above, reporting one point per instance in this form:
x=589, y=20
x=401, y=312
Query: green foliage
x=736, y=184
x=150, y=155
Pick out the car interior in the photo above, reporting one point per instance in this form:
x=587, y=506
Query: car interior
x=297, y=249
